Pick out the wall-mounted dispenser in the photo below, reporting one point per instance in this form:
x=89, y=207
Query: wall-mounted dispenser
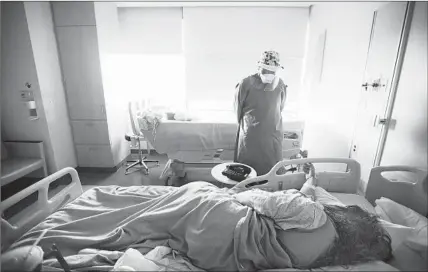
x=27, y=97
x=33, y=110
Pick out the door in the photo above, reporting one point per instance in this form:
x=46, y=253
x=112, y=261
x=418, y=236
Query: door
x=406, y=142
x=377, y=84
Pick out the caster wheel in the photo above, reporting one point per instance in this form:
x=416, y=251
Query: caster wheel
x=146, y=172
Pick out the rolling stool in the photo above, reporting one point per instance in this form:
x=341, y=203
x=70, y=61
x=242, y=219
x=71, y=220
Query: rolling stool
x=142, y=160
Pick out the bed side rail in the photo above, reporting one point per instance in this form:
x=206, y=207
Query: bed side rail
x=412, y=194
x=341, y=182
x=29, y=217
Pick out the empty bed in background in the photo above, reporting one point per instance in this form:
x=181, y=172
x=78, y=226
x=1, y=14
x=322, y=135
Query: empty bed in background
x=202, y=141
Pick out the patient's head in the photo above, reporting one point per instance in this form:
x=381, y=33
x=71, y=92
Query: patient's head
x=360, y=238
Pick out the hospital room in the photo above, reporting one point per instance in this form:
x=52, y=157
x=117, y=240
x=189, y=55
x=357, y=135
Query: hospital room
x=214, y=136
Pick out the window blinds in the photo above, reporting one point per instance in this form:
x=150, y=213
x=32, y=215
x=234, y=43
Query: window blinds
x=223, y=45
x=150, y=31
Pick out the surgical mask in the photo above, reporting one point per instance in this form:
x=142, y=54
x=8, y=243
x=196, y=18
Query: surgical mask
x=268, y=78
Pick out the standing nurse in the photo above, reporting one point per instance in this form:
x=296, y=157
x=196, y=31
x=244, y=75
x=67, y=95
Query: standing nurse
x=259, y=101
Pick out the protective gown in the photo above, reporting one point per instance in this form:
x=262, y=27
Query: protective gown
x=260, y=131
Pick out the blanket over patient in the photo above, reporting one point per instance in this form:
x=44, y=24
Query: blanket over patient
x=207, y=224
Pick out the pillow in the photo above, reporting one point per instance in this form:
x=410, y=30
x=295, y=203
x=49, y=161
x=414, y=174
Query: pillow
x=3, y=152
x=398, y=233
x=182, y=116
x=395, y=211
x=382, y=214
x=405, y=216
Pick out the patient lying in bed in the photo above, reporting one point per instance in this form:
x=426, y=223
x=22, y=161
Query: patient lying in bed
x=217, y=229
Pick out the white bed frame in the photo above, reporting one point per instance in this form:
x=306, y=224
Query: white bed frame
x=412, y=195
x=340, y=182
x=29, y=217
x=181, y=162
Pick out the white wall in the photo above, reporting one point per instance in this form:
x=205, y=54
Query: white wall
x=44, y=45
x=406, y=144
x=332, y=102
x=106, y=17
x=17, y=56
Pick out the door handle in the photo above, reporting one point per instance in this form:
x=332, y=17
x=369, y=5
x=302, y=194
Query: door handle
x=383, y=121
x=365, y=85
x=379, y=121
x=377, y=84
x=391, y=122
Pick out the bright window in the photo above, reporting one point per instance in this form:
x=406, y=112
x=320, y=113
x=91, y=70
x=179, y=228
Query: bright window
x=223, y=45
x=189, y=58
x=158, y=79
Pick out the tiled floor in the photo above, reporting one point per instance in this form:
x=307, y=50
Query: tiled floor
x=90, y=180
x=135, y=178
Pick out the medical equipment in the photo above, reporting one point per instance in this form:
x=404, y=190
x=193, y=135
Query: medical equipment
x=223, y=181
x=344, y=184
x=236, y=172
x=136, y=136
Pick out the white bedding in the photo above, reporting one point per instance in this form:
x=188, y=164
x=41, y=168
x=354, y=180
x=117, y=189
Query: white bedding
x=102, y=203
x=213, y=229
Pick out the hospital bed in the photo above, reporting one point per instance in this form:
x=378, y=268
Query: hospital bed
x=342, y=185
x=205, y=141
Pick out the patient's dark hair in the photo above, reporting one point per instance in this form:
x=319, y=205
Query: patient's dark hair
x=360, y=238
